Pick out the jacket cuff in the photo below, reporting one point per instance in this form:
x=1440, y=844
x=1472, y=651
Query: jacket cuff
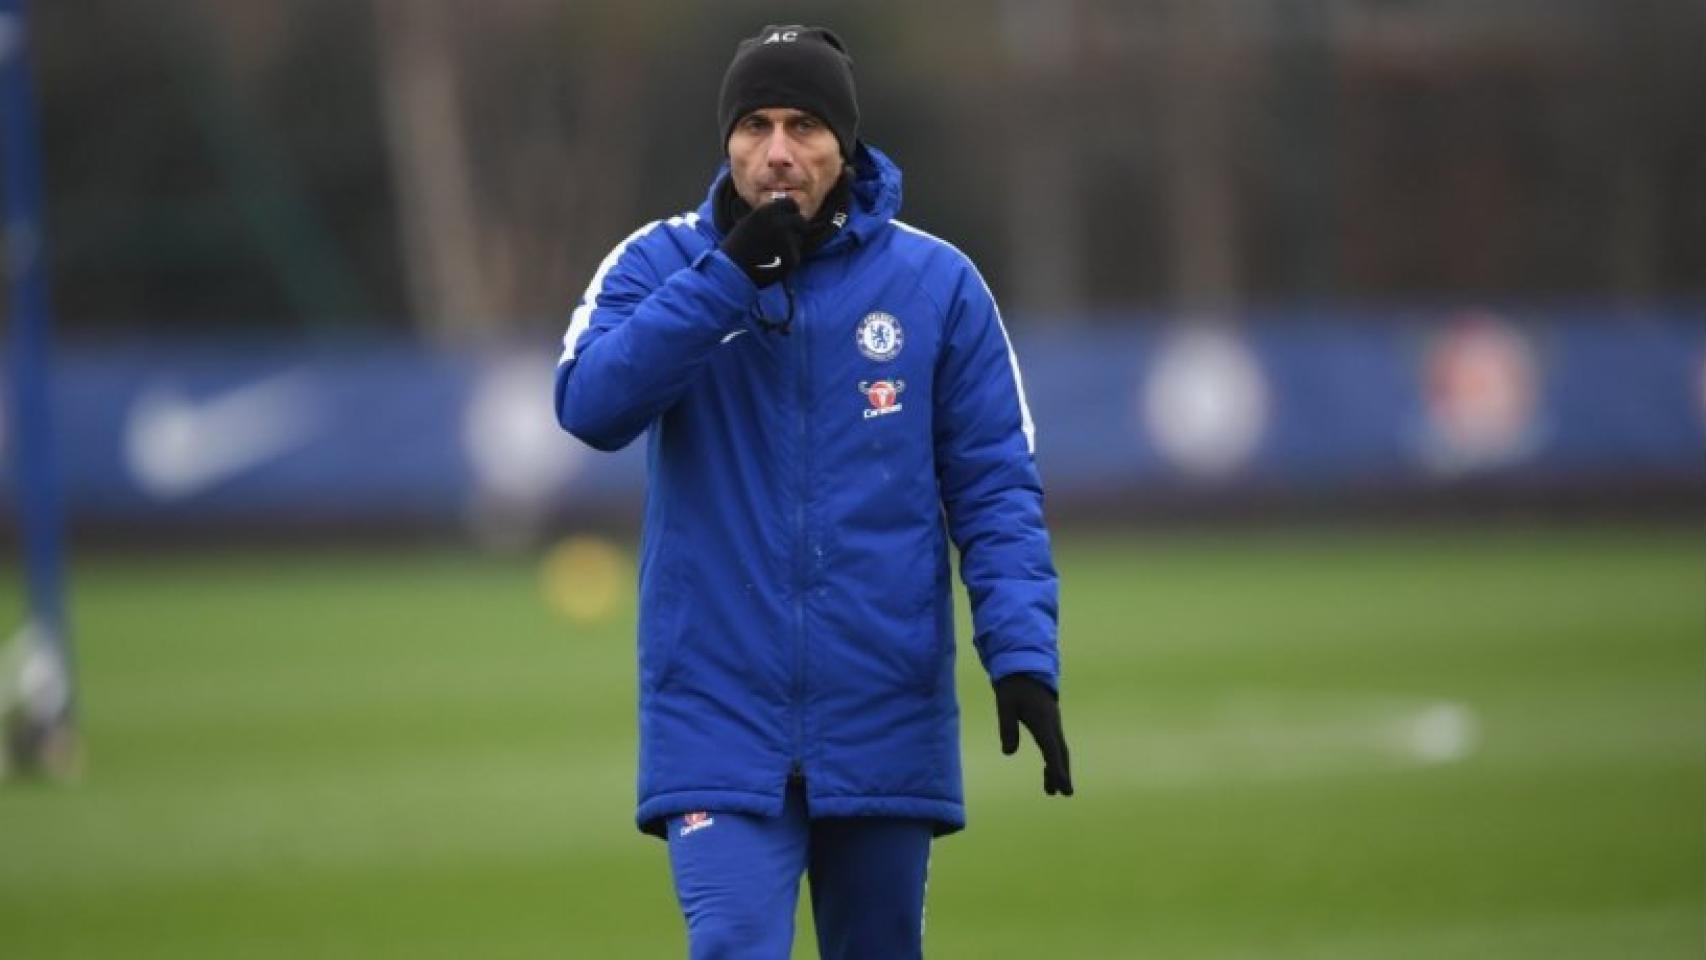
x=1030, y=662
x=729, y=280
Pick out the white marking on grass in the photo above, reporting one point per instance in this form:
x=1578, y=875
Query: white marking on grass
x=1441, y=733
x=1262, y=739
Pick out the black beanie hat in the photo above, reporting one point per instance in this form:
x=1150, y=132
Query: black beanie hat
x=805, y=68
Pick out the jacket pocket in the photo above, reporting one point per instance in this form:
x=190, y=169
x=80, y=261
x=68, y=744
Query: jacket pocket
x=663, y=616
x=934, y=615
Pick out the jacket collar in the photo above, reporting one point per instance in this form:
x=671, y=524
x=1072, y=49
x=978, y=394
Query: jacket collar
x=876, y=198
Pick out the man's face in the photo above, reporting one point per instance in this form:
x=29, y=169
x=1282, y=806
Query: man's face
x=781, y=149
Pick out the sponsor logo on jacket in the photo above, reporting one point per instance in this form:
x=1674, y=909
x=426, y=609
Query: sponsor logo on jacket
x=696, y=821
x=884, y=396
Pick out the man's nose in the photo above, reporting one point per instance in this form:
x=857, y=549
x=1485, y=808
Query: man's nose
x=777, y=152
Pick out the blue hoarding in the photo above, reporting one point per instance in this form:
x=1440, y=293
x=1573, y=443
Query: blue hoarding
x=234, y=433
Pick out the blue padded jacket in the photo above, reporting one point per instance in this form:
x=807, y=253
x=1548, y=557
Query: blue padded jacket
x=796, y=614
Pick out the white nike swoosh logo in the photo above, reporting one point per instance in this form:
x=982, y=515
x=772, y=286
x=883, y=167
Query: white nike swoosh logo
x=772, y=264
x=731, y=336
x=176, y=447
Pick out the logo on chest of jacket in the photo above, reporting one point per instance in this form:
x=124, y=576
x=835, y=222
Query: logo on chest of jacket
x=879, y=336
x=884, y=396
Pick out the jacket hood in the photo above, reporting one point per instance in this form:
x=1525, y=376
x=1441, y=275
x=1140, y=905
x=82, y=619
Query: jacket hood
x=876, y=196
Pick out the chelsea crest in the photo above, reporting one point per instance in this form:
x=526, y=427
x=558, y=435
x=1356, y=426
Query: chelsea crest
x=879, y=336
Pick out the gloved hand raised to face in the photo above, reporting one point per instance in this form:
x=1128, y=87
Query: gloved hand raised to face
x=766, y=242
x=1023, y=699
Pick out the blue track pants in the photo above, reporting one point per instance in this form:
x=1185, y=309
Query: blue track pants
x=738, y=879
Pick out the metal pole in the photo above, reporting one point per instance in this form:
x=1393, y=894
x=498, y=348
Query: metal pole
x=40, y=732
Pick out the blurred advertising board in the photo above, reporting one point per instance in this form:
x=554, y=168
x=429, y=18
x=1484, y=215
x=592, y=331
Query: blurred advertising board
x=230, y=434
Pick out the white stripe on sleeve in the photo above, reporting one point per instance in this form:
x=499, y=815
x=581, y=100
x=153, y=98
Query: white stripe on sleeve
x=581, y=319
x=1025, y=422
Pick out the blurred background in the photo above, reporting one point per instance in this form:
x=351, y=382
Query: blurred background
x=1366, y=341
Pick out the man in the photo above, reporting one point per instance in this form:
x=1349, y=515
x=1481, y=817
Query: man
x=823, y=387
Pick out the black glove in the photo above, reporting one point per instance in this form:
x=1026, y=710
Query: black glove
x=1023, y=699
x=766, y=242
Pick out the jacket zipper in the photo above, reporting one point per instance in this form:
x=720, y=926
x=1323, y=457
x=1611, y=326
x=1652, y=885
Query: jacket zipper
x=802, y=545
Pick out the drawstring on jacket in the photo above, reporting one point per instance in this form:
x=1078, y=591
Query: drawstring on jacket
x=831, y=217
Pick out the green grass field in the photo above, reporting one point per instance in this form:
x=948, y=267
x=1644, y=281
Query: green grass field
x=1327, y=746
